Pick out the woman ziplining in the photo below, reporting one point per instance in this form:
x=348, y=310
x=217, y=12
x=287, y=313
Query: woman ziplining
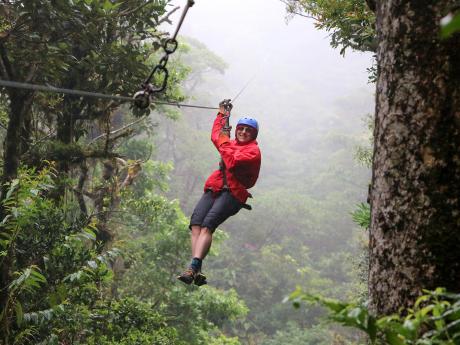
x=226, y=189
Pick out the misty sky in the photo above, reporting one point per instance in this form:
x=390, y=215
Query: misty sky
x=301, y=85
x=254, y=38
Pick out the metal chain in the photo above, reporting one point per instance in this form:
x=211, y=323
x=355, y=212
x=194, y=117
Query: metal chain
x=49, y=88
x=143, y=98
x=170, y=45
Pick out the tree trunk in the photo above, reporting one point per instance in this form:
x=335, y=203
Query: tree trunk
x=20, y=106
x=415, y=228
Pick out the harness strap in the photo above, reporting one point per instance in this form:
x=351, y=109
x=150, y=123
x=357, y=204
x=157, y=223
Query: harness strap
x=246, y=206
x=224, y=175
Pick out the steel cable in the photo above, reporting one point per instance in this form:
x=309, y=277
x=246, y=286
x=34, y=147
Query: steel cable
x=49, y=88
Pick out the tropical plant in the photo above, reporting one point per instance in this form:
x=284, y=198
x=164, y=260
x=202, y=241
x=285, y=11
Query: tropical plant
x=350, y=22
x=450, y=25
x=434, y=318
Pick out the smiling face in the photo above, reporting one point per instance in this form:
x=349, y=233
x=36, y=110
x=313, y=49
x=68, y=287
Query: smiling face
x=245, y=133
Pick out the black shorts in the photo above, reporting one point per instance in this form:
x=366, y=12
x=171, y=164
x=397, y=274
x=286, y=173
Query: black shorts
x=213, y=209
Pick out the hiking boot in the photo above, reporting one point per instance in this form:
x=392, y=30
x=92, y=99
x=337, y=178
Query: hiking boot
x=187, y=276
x=200, y=279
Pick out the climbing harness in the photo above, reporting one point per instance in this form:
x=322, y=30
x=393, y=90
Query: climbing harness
x=142, y=98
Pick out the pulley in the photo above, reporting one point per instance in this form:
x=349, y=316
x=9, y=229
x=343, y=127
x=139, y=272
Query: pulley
x=142, y=99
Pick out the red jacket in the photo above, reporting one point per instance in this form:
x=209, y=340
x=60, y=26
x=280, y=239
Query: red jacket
x=242, y=163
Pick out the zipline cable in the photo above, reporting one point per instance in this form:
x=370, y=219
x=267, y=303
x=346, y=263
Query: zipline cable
x=244, y=88
x=252, y=78
x=49, y=88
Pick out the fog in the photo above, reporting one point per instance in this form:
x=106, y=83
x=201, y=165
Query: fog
x=310, y=103
x=298, y=84
x=255, y=38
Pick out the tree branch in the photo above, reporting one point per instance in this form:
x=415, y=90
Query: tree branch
x=118, y=130
x=128, y=12
x=166, y=19
x=292, y=10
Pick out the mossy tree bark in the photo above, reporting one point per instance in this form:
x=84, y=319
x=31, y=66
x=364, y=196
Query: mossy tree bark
x=415, y=193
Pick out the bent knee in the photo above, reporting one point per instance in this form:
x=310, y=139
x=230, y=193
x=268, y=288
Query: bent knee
x=196, y=229
x=207, y=230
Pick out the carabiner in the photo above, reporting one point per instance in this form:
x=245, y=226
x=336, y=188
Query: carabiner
x=142, y=98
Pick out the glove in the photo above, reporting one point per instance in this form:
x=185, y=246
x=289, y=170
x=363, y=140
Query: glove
x=225, y=106
x=224, y=137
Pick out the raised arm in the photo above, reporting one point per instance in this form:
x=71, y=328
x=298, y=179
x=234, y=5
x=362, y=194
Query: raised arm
x=218, y=134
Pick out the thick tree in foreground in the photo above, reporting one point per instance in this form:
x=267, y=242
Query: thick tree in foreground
x=415, y=194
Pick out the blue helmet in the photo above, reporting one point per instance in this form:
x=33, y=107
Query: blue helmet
x=248, y=122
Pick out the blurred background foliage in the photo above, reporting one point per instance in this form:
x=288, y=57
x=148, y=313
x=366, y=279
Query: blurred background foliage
x=94, y=244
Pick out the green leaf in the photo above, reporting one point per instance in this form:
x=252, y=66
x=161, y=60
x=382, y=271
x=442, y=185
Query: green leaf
x=426, y=310
x=421, y=299
x=372, y=328
x=107, y=6
x=12, y=188
x=19, y=313
x=5, y=221
x=450, y=25
x=362, y=215
x=394, y=339
x=37, y=275
x=333, y=305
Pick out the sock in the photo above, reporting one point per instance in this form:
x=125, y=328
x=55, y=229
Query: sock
x=196, y=264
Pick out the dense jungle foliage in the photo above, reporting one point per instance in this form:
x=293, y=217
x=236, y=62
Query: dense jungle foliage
x=96, y=195
x=89, y=246
x=401, y=318
x=94, y=227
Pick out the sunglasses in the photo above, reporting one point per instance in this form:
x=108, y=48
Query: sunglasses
x=247, y=129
